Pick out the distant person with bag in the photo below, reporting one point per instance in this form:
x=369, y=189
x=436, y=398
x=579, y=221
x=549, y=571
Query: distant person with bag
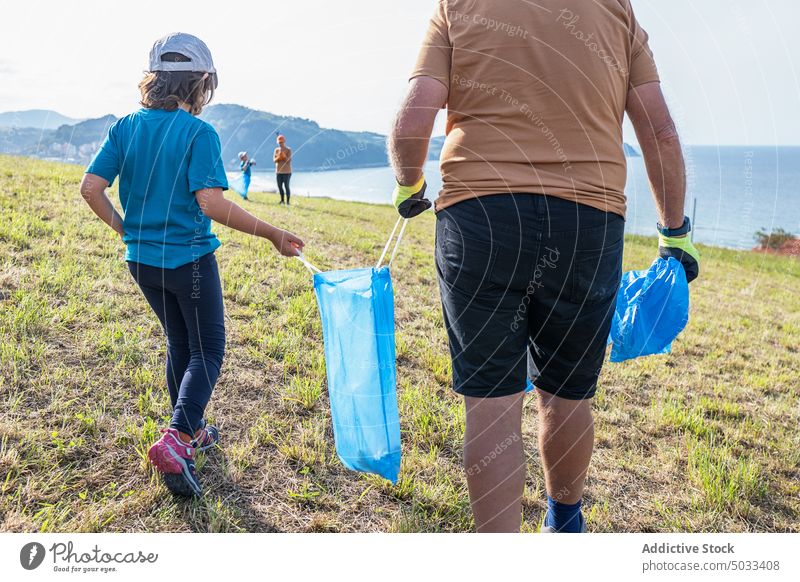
x=283, y=168
x=171, y=182
x=241, y=184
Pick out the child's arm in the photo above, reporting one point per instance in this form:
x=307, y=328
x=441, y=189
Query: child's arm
x=217, y=208
x=93, y=190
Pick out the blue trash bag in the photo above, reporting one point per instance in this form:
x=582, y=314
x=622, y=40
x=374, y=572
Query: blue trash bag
x=652, y=309
x=357, y=311
x=240, y=184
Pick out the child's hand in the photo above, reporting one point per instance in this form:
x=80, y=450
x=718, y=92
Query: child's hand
x=287, y=244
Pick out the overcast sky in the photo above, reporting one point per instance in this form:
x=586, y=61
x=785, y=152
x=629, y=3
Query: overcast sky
x=731, y=68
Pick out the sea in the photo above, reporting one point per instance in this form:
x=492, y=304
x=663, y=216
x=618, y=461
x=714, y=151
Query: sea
x=733, y=191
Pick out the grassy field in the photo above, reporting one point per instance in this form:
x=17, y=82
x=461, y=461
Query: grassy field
x=704, y=439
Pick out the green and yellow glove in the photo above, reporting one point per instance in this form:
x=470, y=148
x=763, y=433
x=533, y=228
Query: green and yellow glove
x=681, y=248
x=410, y=200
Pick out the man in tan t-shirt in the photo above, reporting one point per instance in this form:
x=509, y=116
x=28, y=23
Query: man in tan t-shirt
x=530, y=220
x=282, y=156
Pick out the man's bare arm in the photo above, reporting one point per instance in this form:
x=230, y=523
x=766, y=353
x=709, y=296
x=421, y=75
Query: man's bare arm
x=411, y=132
x=661, y=148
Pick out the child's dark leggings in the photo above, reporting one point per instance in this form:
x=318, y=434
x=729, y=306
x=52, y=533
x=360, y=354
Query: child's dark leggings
x=188, y=302
x=283, y=185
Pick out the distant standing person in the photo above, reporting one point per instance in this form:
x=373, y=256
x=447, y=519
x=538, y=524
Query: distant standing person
x=283, y=167
x=241, y=184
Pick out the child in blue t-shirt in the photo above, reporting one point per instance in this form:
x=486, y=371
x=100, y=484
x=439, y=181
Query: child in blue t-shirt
x=171, y=179
x=241, y=183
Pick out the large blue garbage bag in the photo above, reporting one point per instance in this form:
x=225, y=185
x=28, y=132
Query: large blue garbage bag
x=357, y=311
x=652, y=309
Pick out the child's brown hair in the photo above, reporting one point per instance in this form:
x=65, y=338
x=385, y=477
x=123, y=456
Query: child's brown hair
x=168, y=89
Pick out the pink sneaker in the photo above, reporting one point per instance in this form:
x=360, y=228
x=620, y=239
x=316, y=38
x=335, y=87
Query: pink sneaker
x=175, y=460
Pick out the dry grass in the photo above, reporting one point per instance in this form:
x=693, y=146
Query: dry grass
x=704, y=439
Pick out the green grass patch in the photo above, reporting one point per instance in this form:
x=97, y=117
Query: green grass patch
x=703, y=439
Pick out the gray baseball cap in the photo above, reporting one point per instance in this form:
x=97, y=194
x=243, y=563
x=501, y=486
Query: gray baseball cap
x=188, y=45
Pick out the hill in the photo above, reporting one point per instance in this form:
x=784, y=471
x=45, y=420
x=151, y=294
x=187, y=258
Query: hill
x=704, y=439
x=314, y=147
x=35, y=118
x=22, y=140
x=240, y=129
x=75, y=143
x=78, y=142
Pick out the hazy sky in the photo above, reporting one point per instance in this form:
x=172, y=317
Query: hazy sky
x=731, y=68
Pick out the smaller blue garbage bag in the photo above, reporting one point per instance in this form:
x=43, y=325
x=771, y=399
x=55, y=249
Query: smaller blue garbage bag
x=240, y=184
x=357, y=311
x=652, y=309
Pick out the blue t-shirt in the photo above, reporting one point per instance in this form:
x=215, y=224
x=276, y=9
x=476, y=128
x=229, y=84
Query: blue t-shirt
x=162, y=158
x=244, y=169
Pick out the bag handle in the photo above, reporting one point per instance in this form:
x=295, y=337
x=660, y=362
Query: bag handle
x=313, y=270
x=389, y=242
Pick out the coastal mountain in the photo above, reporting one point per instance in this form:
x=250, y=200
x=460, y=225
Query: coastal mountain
x=314, y=147
x=75, y=143
x=240, y=129
x=81, y=140
x=21, y=140
x=36, y=119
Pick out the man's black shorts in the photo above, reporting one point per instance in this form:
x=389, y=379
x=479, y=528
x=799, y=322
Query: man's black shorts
x=527, y=282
